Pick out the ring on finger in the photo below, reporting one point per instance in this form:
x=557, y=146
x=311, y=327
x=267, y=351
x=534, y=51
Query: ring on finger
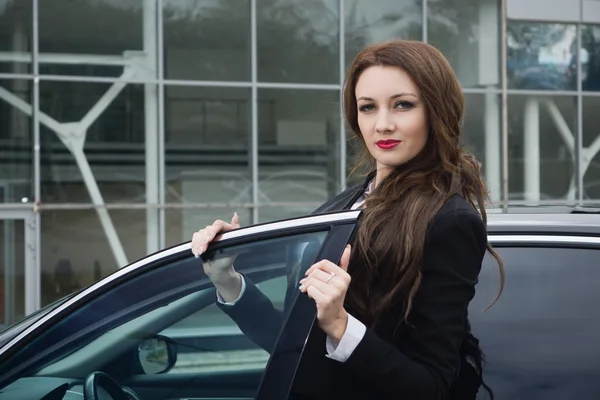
x=331, y=275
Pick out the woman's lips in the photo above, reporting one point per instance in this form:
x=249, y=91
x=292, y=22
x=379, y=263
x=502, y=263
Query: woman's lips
x=388, y=144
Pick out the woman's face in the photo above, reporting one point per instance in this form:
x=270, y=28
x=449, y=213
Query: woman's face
x=391, y=116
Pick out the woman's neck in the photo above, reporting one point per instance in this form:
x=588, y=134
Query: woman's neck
x=380, y=175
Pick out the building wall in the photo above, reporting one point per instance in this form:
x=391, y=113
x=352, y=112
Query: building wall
x=152, y=118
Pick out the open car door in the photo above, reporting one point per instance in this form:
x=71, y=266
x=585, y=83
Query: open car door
x=155, y=330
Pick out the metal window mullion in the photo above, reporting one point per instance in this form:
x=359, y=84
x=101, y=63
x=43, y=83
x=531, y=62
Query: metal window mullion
x=254, y=111
x=33, y=287
x=504, y=103
x=161, y=126
x=342, y=137
x=579, y=142
x=424, y=10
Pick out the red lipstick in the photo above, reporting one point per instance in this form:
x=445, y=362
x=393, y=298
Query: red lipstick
x=388, y=144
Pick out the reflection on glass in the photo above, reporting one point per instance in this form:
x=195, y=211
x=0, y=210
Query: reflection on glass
x=482, y=135
x=223, y=341
x=15, y=37
x=541, y=140
x=114, y=142
x=547, y=323
x=590, y=57
x=153, y=355
x=16, y=141
x=76, y=251
x=12, y=271
x=468, y=34
x=207, y=133
x=207, y=40
x=366, y=23
x=541, y=56
x=80, y=28
x=298, y=146
x=590, y=160
x=298, y=41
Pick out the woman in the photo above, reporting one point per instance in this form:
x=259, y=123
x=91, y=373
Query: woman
x=392, y=315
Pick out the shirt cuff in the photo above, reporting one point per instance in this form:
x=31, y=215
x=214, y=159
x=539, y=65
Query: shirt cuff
x=355, y=331
x=232, y=303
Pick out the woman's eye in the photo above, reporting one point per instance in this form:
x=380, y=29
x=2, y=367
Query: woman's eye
x=366, y=107
x=404, y=104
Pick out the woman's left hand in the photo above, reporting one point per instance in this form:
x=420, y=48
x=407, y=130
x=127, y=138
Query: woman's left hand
x=327, y=284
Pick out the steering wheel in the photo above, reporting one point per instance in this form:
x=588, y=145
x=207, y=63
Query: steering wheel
x=100, y=386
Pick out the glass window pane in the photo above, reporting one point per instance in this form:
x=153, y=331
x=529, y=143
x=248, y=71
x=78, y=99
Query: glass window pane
x=366, y=24
x=96, y=38
x=541, y=136
x=536, y=338
x=208, y=133
x=482, y=135
x=467, y=32
x=177, y=306
x=76, y=252
x=298, y=147
x=181, y=223
x=590, y=160
x=15, y=37
x=298, y=41
x=206, y=39
x=590, y=57
x=541, y=56
x=544, y=10
x=12, y=273
x=275, y=213
x=114, y=146
x=16, y=142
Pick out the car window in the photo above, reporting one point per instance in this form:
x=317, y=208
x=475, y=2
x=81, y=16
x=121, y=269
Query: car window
x=210, y=341
x=162, y=335
x=541, y=338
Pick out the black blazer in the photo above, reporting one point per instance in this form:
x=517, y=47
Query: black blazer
x=394, y=361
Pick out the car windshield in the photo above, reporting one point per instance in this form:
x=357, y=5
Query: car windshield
x=13, y=330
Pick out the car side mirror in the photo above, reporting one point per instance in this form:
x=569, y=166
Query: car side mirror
x=157, y=355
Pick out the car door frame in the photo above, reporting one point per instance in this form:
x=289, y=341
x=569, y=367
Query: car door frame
x=340, y=226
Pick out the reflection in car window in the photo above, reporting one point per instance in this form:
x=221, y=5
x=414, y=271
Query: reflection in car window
x=177, y=302
x=541, y=338
x=8, y=333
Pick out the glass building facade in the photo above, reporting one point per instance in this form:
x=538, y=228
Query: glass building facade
x=126, y=125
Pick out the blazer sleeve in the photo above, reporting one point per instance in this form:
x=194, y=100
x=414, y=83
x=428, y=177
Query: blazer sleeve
x=424, y=362
x=256, y=316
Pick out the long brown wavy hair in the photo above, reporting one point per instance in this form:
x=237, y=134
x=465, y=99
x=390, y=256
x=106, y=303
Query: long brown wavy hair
x=390, y=241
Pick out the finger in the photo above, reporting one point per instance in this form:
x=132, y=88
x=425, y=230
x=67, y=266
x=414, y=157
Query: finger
x=235, y=221
x=327, y=266
x=345, y=259
x=213, y=230
x=317, y=274
x=315, y=294
x=333, y=289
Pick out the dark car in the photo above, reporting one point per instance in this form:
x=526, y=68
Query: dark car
x=152, y=331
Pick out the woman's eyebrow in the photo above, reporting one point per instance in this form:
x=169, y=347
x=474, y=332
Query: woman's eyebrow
x=391, y=97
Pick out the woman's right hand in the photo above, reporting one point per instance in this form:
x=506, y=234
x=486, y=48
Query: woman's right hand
x=219, y=271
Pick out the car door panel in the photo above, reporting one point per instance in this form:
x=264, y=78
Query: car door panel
x=170, y=295
x=281, y=368
x=241, y=384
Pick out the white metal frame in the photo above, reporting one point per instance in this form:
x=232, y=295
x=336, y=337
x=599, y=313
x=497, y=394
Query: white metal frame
x=138, y=65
